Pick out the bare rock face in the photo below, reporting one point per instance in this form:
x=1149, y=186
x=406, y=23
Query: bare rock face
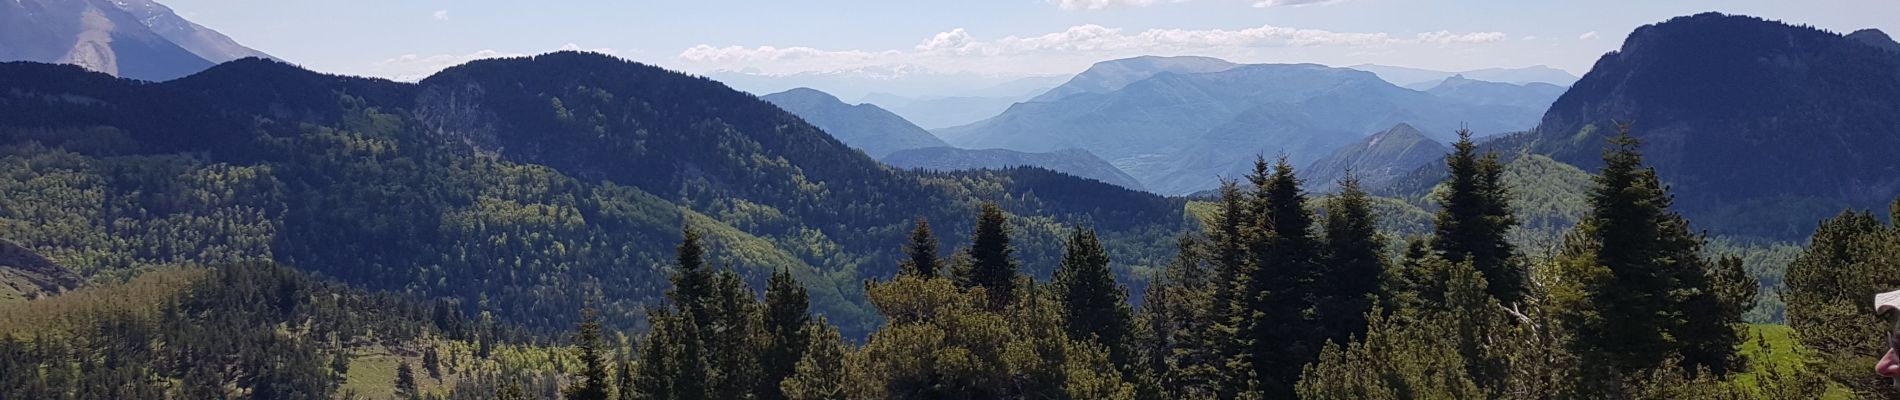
x=25, y=274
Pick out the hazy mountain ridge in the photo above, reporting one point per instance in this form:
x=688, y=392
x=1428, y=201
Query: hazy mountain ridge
x=1376, y=160
x=1420, y=78
x=1180, y=133
x=867, y=127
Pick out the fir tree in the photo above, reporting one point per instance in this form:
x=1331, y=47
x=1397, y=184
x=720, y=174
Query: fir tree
x=1650, y=296
x=1354, y=263
x=786, y=320
x=693, y=282
x=1474, y=216
x=1275, y=334
x=1097, y=307
x=623, y=382
x=992, y=266
x=406, y=381
x=593, y=381
x=922, y=252
x=820, y=373
x=673, y=360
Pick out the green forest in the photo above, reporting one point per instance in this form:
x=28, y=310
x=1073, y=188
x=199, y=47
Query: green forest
x=1273, y=298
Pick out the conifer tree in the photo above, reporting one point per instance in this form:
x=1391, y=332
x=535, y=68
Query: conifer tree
x=992, y=266
x=623, y=382
x=693, y=282
x=820, y=373
x=406, y=381
x=673, y=361
x=1097, y=307
x=511, y=390
x=1176, y=325
x=736, y=329
x=1848, y=260
x=1650, y=296
x=1275, y=334
x=922, y=252
x=786, y=320
x=1354, y=263
x=593, y=381
x=1474, y=216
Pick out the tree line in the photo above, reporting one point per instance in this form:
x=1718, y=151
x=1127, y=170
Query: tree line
x=1273, y=301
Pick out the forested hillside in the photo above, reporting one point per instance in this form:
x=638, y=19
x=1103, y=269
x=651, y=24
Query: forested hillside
x=522, y=188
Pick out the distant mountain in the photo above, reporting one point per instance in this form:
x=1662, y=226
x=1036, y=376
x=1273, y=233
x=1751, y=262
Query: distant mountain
x=864, y=126
x=906, y=80
x=1109, y=76
x=204, y=42
x=1076, y=162
x=1761, y=127
x=1876, y=38
x=1535, y=95
x=940, y=112
x=1420, y=78
x=1377, y=160
x=1180, y=133
x=136, y=39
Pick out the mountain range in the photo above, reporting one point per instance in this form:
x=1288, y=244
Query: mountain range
x=895, y=141
x=137, y=39
x=863, y=126
x=523, y=187
x=1179, y=125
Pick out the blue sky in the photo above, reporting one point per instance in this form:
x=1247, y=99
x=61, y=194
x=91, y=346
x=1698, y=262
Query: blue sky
x=408, y=39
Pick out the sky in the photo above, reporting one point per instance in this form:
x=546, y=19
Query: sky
x=409, y=39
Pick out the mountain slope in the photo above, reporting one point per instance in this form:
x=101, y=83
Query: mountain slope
x=525, y=188
x=1076, y=162
x=864, y=126
x=1377, y=160
x=1876, y=38
x=199, y=40
x=96, y=34
x=1533, y=95
x=1741, y=116
x=1181, y=133
x=27, y=275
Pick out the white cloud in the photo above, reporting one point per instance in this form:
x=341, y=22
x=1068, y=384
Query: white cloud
x=441, y=15
x=1446, y=37
x=1061, y=52
x=1591, y=35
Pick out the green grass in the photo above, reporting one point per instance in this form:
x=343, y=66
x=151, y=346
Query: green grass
x=1773, y=346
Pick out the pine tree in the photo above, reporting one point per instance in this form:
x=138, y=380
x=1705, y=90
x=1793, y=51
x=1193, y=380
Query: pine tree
x=1097, y=307
x=786, y=320
x=511, y=390
x=406, y=381
x=736, y=329
x=1474, y=216
x=992, y=266
x=1234, y=270
x=820, y=373
x=593, y=381
x=432, y=362
x=693, y=282
x=1175, y=324
x=1848, y=260
x=1649, y=292
x=1275, y=333
x=1354, y=263
x=623, y=382
x=922, y=252
x=673, y=361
